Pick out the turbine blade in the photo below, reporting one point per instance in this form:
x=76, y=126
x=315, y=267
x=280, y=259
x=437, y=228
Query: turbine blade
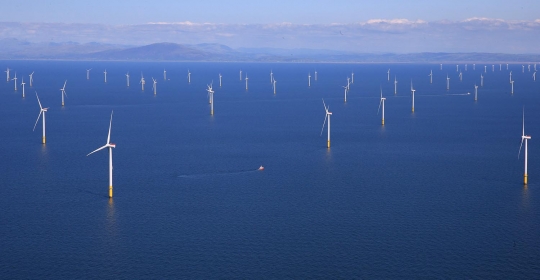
x=110, y=124
x=98, y=149
x=380, y=103
x=523, y=131
x=64, y=85
x=322, y=129
x=37, y=120
x=520, y=147
x=38, y=101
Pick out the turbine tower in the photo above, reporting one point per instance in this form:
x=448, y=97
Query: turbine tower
x=274, y=86
x=388, y=74
x=328, y=115
x=22, y=84
x=42, y=110
x=512, y=83
x=7, y=75
x=395, y=85
x=412, y=92
x=481, y=80
x=31, y=79
x=525, y=138
x=431, y=76
x=15, y=79
x=240, y=75
x=211, y=94
x=154, y=86
x=510, y=76
x=309, y=79
x=475, y=92
x=109, y=146
x=87, y=73
x=105, y=72
x=352, y=77
x=142, y=82
x=316, y=72
x=164, y=75
x=220, y=79
x=271, y=76
x=247, y=82
x=127, y=79
x=188, y=76
x=460, y=76
x=447, y=82
x=345, y=87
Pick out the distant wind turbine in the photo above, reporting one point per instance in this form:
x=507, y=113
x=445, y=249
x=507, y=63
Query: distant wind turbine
x=481, y=80
x=492, y=67
x=412, y=92
x=63, y=92
x=42, y=110
x=460, y=76
x=475, y=92
x=328, y=115
x=522, y=68
x=188, y=76
x=88, y=73
x=7, y=75
x=240, y=75
x=441, y=66
x=109, y=146
x=388, y=74
x=395, y=85
x=211, y=94
x=271, y=76
x=309, y=79
x=431, y=76
x=506, y=66
x=510, y=76
x=105, y=75
x=220, y=79
x=247, y=82
x=142, y=82
x=274, y=86
x=31, y=79
x=346, y=90
x=164, y=75
x=316, y=72
x=352, y=77
x=534, y=76
x=525, y=138
x=485, y=69
x=512, y=83
x=457, y=67
x=15, y=79
x=474, y=66
x=127, y=79
x=22, y=84
x=447, y=82
x=154, y=86
x=381, y=103
x=465, y=67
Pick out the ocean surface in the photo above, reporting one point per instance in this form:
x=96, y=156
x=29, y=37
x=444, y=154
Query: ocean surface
x=437, y=193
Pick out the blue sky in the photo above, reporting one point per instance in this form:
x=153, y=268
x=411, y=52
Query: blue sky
x=269, y=11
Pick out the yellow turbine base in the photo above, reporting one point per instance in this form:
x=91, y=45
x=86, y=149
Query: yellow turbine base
x=328, y=144
x=43, y=139
x=413, y=109
x=382, y=121
x=110, y=191
x=212, y=112
x=62, y=103
x=525, y=179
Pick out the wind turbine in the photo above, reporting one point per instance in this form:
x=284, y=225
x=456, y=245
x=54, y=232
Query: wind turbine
x=475, y=92
x=316, y=72
x=460, y=76
x=109, y=146
x=22, y=84
x=529, y=67
x=164, y=75
x=105, y=72
x=395, y=85
x=274, y=86
x=412, y=91
x=15, y=79
x=388, y=74
x=211, y=93
x=154, y=86
x=209, y=89
x=63, y=92
x=485, y=69
x=31, y=79
x=474, y=66
x=127, y=78
x=247, y=82
x=522, y=68
x=220, y=79
x=447, y=82
x=465, y=67
x=87, y=73
x=309, y=79
x=346, y=90
x=381, y=103
x=481, y=80
x=42, y=110
x=352, y=78
x=431, y=76
x=271, y=76
x=188, y=76
x=142, y=82
x=512, y=83
x=457, y=67
x=240, y=75
x=506, y=66
x=348, y=83
x=328, y=115
x=492, y=67
x=441, y=66
x=534, y=76
x=525, y=138
x=500, y=67
x=510, y=76
x=7, y=75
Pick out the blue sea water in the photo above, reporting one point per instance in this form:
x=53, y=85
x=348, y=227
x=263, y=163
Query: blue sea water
x=437, y=193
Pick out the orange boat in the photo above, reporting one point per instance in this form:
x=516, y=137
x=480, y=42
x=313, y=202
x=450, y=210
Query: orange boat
x=261, y=168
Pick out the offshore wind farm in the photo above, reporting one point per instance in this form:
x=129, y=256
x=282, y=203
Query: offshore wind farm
x=438, y=183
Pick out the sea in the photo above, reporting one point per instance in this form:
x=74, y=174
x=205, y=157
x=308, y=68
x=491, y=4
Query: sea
x=434, y=193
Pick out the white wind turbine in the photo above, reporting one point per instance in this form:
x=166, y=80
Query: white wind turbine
x=22, y=84
x=211, y=95
x=529, y=67
x=346, y=90
x=42, y=110
x=381, y=103
x=475, y=92
x=388, y=73
x=15, y=79
x=441, y=66
x=465, y=67
x=474, y=66
x=352, y=77
x=154, y=86
x=500, y=67
x=316, y=72
x=485, y=69
x=534, y=76
x=31, y=79
x=457, y=67
x=460, y=76
x=88, y=73
x=271, y=76
x=447, y=82
x=328, y=115
x=164, y=75
x=127, y=79
x=274, y=85
x=525, y=138
x=412, y=92
x=220, y=79
x=512, y=83
x=208, y=95
x=105, y=72
x=247, y=82
x=522, y=68
x=63, y=92
x=510, y=76
x=348, y=83
x=109, y=146
x=309, y=79
x=431, y=76
x=7, y=75
x=506, y=66
x=142, y=82
x=535, y=67
x=481, y=80
x=189, y=76
x=395, y=85
x=240, y=75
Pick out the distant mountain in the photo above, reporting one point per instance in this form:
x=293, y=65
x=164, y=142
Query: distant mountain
x=17, y=49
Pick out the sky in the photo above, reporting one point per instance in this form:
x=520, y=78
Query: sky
x=116, y=12
x=359, y=26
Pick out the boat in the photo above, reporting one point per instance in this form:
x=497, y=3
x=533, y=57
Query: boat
x=261, y=168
